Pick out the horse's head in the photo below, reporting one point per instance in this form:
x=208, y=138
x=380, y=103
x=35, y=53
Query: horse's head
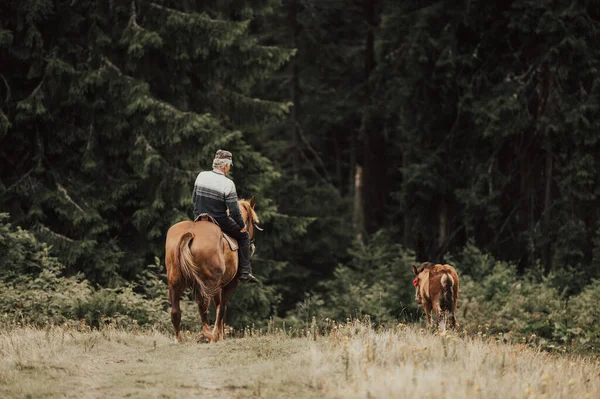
x=251, y=219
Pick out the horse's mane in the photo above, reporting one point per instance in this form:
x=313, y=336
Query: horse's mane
x=425, y=266
x=249, y=209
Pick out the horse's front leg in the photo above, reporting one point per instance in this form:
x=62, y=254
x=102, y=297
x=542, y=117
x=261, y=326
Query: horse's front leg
x=226, y=296
x=427, y=309
x=216, y=333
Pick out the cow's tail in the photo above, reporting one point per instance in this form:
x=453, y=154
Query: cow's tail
x=190, y=270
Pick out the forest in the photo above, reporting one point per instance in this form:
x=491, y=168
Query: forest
x=373, y=134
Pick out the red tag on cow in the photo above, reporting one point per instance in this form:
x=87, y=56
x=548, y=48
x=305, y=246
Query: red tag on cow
x=416, y=282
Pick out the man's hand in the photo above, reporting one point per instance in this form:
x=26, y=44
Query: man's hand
x=244, y=229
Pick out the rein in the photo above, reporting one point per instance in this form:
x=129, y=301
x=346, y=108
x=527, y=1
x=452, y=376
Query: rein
x=253, y=226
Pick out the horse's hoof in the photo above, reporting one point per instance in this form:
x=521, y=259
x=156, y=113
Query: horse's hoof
x=203, y=340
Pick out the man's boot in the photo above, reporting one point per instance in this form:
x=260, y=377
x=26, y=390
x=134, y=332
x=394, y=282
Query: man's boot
x=245, y=267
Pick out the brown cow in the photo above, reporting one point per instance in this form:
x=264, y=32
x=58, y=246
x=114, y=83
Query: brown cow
x=437, y=289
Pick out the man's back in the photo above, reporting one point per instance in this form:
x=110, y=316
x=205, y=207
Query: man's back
x=211, y=192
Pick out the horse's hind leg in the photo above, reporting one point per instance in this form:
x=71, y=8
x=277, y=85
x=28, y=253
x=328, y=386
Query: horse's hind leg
x=441, y=318
x=175, y=291
x=203, y=305
x=452, y=321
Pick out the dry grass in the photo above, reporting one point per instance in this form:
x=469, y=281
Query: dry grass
x=352, y=361
x=407, y=362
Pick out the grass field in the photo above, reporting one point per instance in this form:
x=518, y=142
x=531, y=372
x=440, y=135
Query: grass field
x=353, y=361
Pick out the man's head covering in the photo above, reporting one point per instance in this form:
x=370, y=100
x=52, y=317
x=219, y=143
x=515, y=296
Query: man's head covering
x=222, y=159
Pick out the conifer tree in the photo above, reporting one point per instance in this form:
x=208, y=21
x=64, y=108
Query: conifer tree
x=114, y=107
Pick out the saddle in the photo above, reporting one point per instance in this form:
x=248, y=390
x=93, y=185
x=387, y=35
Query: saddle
x=233, y=244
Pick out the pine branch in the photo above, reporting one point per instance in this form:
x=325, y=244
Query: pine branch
x=16, y=183
x=233, y=94
x=312, y=150
x=90, y=145
x=155, y=101
x=43, y=229
x=186, y=15
x=65, y=194
x=38, y=87
x=148, y=147
x=133, y=19
x=151, y=150
x=169, y=107
x=8, y=92
x=314, y=170
x=116, y=68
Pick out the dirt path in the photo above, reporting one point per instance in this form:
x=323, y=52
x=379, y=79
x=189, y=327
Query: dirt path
x=121, y=365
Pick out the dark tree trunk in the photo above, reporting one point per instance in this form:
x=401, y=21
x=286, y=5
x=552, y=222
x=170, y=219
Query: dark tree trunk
x=339, y=169
x=358, y=214
x=374, y=146
x=525, y=204
x=294, y=89
x=443, y=225
x=547, y=252
x=406, y=233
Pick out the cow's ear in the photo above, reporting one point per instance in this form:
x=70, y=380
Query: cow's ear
x=252, y=202
x=415, y=270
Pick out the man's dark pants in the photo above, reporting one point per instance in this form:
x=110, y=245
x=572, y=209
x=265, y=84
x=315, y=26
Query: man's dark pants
x=231, y=228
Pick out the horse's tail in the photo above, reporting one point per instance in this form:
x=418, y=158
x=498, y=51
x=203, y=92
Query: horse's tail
x=189, y=268
x=447, y=292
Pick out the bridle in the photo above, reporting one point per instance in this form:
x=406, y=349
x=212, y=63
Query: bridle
x=253, y=226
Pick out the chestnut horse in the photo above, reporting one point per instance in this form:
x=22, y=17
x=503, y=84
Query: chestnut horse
x=437, y=289
x=197, y=255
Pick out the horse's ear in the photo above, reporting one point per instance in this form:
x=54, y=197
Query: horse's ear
x=252, y=202
x=415, y=270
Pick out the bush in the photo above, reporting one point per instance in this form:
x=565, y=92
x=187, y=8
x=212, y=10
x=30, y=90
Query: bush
x=376, y=282
x=34, y=291
x=375, y=285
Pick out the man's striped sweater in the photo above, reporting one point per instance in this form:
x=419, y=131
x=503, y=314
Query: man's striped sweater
x=214, y=193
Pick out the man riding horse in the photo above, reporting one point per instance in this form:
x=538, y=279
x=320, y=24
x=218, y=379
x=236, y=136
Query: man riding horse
x=214, y=194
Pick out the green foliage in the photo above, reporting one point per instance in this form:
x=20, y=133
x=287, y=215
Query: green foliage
x=376, y=282
x=583, y=323
x=35, y=291
x=525, y=309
